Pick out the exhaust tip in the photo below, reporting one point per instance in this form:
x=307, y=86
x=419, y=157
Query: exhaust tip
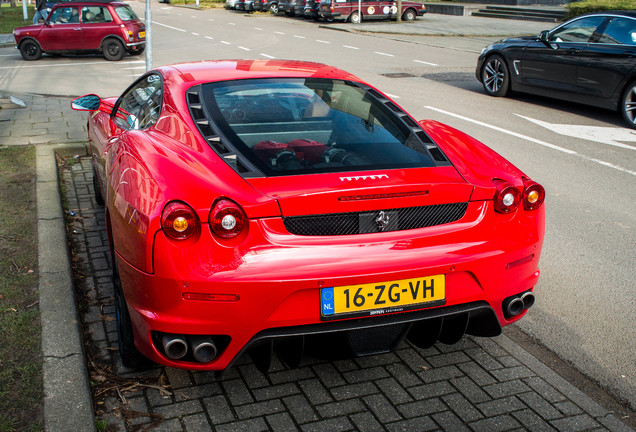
x=203, y=348
x=515, y=307
x=174, y=346
x=528, y=300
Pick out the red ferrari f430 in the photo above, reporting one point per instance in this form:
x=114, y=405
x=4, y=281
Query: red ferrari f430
x=261, y=206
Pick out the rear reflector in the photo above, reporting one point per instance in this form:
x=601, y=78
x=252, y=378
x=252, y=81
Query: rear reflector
x=211, y=297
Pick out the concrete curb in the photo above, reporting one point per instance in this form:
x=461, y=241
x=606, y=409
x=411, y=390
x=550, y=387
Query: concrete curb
x=67, y=399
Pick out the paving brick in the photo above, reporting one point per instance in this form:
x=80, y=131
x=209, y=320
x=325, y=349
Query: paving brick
x=382, y=408
x=413, y=360
x=405, y=376
x=300, y=409
x=470, y=390
x=420, y=424
x=332, y=425
x=448, y=421
x=394, y=391
x=237, y=392
x=568, y=408
x=462, y=407
x=315, y=391
x=476, y=373
x=197, y=423
x=431, y=390
x=440, y=374
x=501, y=406
x=495, y=424
x=172, y=425
x=354, y=390
x=377, y=360
x=290, y=375
x=251, y=425
x=335, y=409
x=577, y=423
x=421, y=408
x=513, y=373
x=179, y=409
x=197, y=392
x=178, y=378
x=484, y=359
x=258, y=409
x=367, y=374
x=507, y=388
x=281, y=422
x=275, y=391
x=531, y=421
x=218, y=409
x=540, y=405
x=365, y=422
x=448, y=359
x=328, y=374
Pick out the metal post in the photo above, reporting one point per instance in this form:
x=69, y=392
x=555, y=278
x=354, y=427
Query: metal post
x=359, y=11
x=24, y=10
x=148, y=16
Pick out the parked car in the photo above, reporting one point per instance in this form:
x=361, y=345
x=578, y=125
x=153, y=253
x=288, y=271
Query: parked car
x=291, y=7
x=255, y=204
x=310, y=9
x=371, y=10
x=230, y=4
x=245, y=5
x=109, y=27
x=269, y=5
x=590, y=59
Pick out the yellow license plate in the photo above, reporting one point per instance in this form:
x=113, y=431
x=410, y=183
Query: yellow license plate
x=142, y=34
x=384, y=297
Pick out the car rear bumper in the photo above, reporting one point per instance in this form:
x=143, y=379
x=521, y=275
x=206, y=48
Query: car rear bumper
x=272, y=290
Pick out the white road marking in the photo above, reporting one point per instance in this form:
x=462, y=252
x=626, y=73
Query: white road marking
x=226, y=43
x=350, y=47
x=279, y=32
x=268, y=56
x=209, y=37
x=135, y=68
x=384, y=54
x=534, y=140
x=257, y=28
x=170, y=27
x=603, y=134
x=231, y=23
x=195, y=34
x=244, y=48
x=426, y=63
x=52, y=64
x=322, y=41
x=210, y=19
x=299, y=36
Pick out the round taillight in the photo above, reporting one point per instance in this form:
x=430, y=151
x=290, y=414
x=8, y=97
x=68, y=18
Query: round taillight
x=227, y=220
x=533, y=195
x=179, y=221
x=507, y=198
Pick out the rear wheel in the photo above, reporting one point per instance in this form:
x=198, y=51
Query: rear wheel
x=30, y=50
x=113, y=50
x=355, y=17
x=273, y=8
x=408, y=15
x=130, y=357
x=495, y=76
x=139, y=52
x=628, y=105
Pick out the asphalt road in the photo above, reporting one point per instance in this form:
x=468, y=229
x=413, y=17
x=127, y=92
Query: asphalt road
x=586, y=298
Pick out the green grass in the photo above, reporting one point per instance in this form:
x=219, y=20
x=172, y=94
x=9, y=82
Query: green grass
x=20, y=354
x=13, y=17
x=582, y=7
x=204, y=4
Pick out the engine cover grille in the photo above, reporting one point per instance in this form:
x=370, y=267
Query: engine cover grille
x=334, y=224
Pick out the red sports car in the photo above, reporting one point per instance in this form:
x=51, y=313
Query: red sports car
x=260, y=206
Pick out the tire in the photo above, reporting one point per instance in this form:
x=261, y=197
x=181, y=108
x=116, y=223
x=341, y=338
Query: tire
x=30, y=50
x=273, y=8
x=130, y=357
x=113, y=50
x=628, y=105
x=495, y=76
x=99, y=198
x=139, y=52
x=409, y=15
x=355, y=17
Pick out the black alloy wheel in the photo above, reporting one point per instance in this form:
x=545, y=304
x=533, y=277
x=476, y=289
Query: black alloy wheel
x=30, y=50
x=113, y=50
x=495, y=76
x=628, y=105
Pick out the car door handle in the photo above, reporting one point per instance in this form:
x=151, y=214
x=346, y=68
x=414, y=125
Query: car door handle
x=77, y=29
x=574, y=51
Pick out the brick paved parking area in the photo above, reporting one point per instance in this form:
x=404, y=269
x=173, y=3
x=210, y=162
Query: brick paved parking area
x=476, y=385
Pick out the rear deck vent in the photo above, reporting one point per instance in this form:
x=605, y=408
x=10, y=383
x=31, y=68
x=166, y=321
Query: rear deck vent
x=333, y=224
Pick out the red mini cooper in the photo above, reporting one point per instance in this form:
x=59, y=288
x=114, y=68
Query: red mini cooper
x=107, y=26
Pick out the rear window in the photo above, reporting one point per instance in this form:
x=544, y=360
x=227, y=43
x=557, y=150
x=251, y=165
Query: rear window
x=126, y=13
x=294, y=126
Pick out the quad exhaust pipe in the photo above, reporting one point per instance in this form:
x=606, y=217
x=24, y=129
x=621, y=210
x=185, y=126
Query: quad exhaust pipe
x=515, y=305
x=176, y=346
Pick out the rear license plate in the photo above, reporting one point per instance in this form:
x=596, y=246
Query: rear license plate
x=382, y=298
x=142, y=34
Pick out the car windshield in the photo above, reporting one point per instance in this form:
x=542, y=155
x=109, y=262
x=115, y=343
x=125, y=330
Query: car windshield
x=294, y=126
x=126, y=13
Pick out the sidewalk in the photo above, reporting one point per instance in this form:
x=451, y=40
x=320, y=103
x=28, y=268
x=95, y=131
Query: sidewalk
x=478, y=384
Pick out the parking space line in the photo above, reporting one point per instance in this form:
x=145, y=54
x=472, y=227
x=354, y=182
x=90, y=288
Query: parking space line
x=299, y=37
x=383, y=54
x=231, y=23
x=534, y=140
x=195, y=34
x=257, y=28
x=225, y=42
x=170, y=27
x=244, y=48
x=279, y=32
x=426, y=63
x=392, y=96
x=268, y=56
x=322, y=41
x=350, y=47
x=209, y=37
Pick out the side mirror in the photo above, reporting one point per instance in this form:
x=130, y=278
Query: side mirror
x=89, y=102
x=543, y=36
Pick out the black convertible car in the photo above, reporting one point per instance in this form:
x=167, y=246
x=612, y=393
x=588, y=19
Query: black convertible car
x=590, y=59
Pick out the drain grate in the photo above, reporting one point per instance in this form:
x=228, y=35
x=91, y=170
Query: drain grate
x=399, y=75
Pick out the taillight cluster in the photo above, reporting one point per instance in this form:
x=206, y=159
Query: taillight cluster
x=508, y=197
x=226, y=220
